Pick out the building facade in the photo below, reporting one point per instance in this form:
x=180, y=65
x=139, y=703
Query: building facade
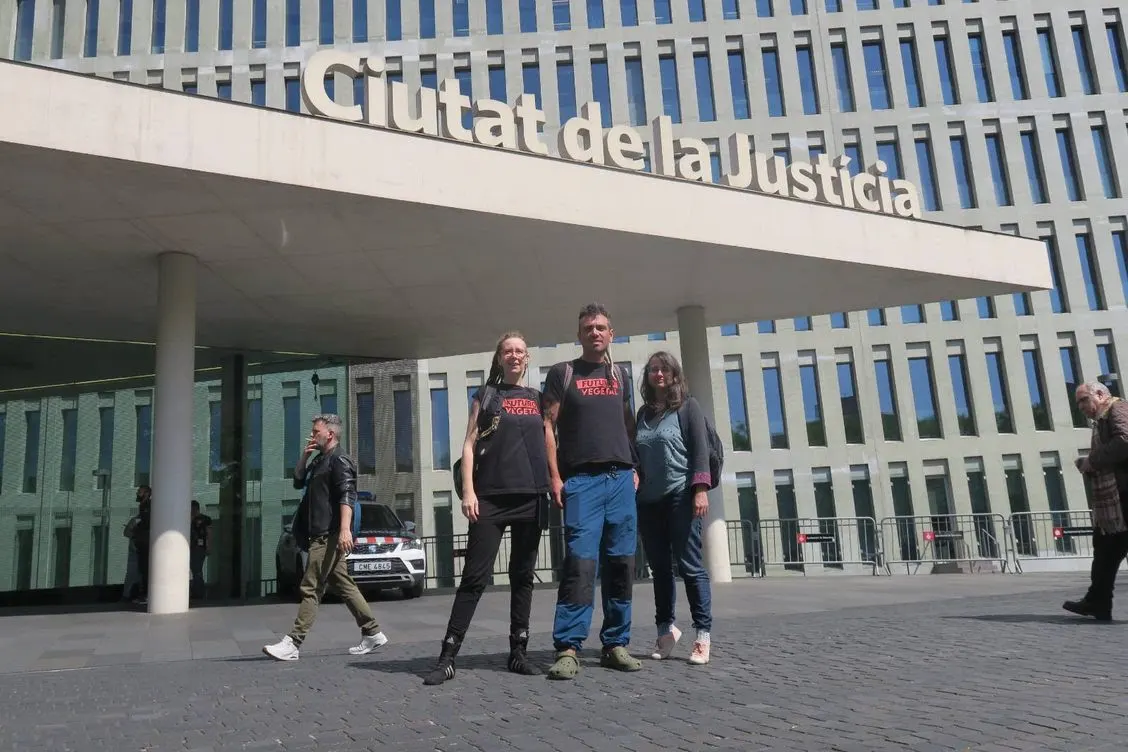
x=1010, y=117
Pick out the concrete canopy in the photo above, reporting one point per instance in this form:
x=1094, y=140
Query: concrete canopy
x=319, y=236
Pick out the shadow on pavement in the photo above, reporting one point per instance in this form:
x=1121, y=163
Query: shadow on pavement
x=1030, y=618
x=542, y=659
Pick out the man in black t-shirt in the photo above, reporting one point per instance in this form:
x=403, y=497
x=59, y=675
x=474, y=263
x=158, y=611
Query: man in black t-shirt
x=588, y=413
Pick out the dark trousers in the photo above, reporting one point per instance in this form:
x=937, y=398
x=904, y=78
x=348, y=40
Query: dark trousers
x=670, y=533
x=143, y=571
x=196, y=558
x=481, y=551
x=1108, y=552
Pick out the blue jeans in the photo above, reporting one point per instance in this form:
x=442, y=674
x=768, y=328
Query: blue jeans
x=671, y=533
x=597, y=508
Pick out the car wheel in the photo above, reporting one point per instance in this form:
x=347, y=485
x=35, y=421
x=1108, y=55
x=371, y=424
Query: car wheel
x=414, y=591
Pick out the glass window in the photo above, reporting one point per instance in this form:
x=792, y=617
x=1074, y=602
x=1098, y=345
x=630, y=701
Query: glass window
x=875, y=317
x=738, y=410
x=143, y=445
x=961, y=393
x=1022, y=304
x=776, y=105
x=1106, y=359
x=466, y=87
x=561, y=15
x=851, y=408
x=912, y=72
x=924, y=397
x=601, y=90
x=291, y=427
x=730, y=10
x=393, y=20
x=160, y=16
x=662, y=12
x=703, y=76
x=69, y=448
x=1049, y=63
x=636, y=92
x=1036, y=384
x=947, y=72
x=912, y=314
x=293, y=22
x=404, y=430
x=325, y=22
x=802, y=323
x=812, y=405
x=495, y=20
x=656, y=337
x=460, y=17
x=258, y=24
x=996, y=156
x=1105, y=164
x=1120, y=242
x=839, y=321
x=1084, y=60
x=1089, y=274
x=595, y=18
x=949, y=311
x=1033, y=158
x=1013, y=50
x=427, y=22
x=765, y=327
x=671, y=97
x=1071, y=370
x=226, y=23
x=215, y=441
x=696, y=11
x=986, y=307
x=566, y=87
x=808, y=81
x=497, y=83
x=1058, y=301
x=258, y=93
x=964, y=182
x=31, y=452
x=980, y=69
x=929, y=188
x=764, y=8
x=730, y=330
x=628, y=12
x=773, y=399
x=890, y=154
x=530, y=81
x=841, y=61
x=25, y=29
x=440, y=429
x=1115, y=33
x=254, y=439
x=293, y=95
x=876, y=78
x=997, y=377
x=1069, y=164
x=738, y=82
x=105, y=444
x=223, y=90
x=833, y=6
x=887, y=400
x=360, y=20
x=125, y=27
x=90, y=40
x=366, y=433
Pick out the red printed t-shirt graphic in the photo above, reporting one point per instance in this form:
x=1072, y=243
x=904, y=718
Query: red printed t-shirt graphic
x=521, y=406
x=597, y=388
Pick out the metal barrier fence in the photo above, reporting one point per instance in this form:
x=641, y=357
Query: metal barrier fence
x=446, y=556
x=1048, y=537
x=830, y=543
x=944, y=542
x=744, y=545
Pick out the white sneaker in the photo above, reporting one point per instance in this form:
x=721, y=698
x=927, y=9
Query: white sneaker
x=283, y=650
x=700, y=654
x=368, y=643
x=666, y=643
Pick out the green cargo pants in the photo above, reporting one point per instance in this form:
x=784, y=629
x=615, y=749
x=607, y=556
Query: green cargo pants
x=328, y=568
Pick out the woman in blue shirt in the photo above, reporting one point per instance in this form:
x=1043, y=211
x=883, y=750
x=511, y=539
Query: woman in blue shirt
x=673, y=449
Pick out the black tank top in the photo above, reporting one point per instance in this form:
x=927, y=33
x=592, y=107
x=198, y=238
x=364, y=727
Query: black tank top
x=512, y=460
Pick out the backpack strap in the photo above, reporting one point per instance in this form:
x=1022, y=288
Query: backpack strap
x=568, y=371
x=486, y=397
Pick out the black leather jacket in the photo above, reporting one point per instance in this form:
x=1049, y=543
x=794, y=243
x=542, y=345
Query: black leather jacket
x=329, y=482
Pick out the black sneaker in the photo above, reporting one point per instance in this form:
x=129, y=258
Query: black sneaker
x=1085, y=608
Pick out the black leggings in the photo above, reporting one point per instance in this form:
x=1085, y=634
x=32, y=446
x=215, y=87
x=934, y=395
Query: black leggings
x=485, y=539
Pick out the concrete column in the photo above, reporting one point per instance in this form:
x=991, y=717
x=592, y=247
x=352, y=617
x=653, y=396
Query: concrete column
x=172, y=440
x=695, y=363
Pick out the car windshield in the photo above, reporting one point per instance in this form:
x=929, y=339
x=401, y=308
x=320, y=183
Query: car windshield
x=378, y=517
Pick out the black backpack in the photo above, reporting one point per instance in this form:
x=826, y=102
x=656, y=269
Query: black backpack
x=489, y=416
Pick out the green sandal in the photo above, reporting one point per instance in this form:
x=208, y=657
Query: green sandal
x=566, y=666
x=619, y=659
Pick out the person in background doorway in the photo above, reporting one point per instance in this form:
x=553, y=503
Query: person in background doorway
x=673, y=452
x=140, y=540
x=323, y=527
x=1107, y=469
x=505, y=484
x=199, y=546
x=593, y=479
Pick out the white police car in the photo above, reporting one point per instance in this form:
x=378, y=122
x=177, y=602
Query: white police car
x=387, y=554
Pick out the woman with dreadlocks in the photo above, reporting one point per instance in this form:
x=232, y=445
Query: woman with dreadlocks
x=504, y=472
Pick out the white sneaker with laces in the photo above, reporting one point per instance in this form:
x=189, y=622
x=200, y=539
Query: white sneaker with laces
x=700, y=654
x=666, y=643
x=368, y=643
x=283, y=650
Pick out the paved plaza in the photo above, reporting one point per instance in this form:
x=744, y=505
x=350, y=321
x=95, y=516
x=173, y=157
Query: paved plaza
x=947, y=662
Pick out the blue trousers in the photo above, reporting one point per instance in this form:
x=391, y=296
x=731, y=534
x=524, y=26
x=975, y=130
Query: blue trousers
x=671, y=534
x=598, y=509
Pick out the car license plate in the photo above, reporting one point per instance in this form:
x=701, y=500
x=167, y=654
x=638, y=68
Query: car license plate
x=373, y=566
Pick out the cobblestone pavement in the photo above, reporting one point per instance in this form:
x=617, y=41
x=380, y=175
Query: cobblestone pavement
x=982, y=673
